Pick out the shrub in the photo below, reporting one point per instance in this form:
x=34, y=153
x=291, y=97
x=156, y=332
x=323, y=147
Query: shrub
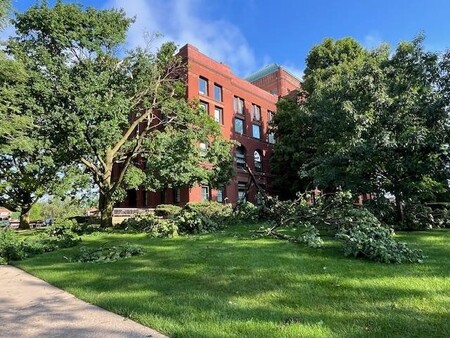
x=442, y=217
x=364, y=236
x=419, y=216
x=57, y=236
x=382, y=208
x=106, y=254
x=246, y=212
x=163, y=228
x=167, y=210
x=192, y=221
x=140, y=222
x=60, y=234
x=10, y=247
x=218, y=212
x=150, y=223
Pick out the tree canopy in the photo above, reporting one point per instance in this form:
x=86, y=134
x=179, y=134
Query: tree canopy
x=371, y=121
x=114, y=110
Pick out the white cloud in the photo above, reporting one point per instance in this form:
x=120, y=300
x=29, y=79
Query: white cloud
x=372, y=40
x=180, y=21
x=298, y=72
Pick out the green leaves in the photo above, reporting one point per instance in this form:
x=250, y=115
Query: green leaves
x=371, y=121
x=105, y=110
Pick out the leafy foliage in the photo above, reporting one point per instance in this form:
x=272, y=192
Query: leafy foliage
x=368, y=121
x=214, y=210
x=364, y=236
x=110, y=110
x=362, y=233
x=291, y=214
x=202, y=217
x=10, y=247
x=193, y=221
x=58, y=236
x=106, y=254
x=246, y=212
x=167, y=210
x=152, y=224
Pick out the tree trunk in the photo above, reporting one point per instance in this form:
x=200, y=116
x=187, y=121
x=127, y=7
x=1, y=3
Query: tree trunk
x=399, y=208
x=105, y=206
x=24, y=218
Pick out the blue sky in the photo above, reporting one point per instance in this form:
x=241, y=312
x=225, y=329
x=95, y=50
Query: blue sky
x=248, y=34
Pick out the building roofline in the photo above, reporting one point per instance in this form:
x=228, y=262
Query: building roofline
x=266, y=70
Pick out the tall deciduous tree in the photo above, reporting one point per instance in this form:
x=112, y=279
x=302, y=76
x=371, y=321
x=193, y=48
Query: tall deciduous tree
x=5, y=8
x=375, y=121
x=110, y=112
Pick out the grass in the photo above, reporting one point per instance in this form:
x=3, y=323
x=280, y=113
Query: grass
x=232, y=284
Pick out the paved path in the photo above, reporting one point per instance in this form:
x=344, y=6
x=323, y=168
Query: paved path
x=30, y=307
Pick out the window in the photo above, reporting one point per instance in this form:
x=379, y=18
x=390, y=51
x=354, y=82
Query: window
x=256, y=131
x=240, y=157
x=177, y=195
x=220, y=195
x=256, y=112
x=239, y=126
x=217, y=92
x=205, y=193
x=258, y=160
x=241, y=191
x=163, y=197
x=218, y=115
x=204, y=105
x=269, y=116
x=238, y=105
x=203, y=149
x=271, y=137
x=203, y=86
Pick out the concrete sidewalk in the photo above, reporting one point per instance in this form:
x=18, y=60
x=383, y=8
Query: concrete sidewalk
x=30, y=307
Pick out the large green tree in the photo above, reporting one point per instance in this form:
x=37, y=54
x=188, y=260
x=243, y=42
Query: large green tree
x=111, y=110
x=375, y=121
x=5, y=8
x=27, y=167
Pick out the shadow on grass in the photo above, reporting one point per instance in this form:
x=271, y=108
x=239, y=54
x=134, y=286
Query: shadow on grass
x=228, y=281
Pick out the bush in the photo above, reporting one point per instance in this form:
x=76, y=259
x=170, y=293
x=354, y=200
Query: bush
x=163, y=228
x=150, y=223
x=167, y=210
x=140, y=222
x=364, y=236
x=192, y=221
x=442, y=217
x=106, y=254
x=419, y=216
x=61, y=235
x=382, y=208
x=246, y=212
x=57, y=236
x=216, y=211
x=10, y=247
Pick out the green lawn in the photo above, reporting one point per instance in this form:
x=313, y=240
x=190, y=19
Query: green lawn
x=230, y=284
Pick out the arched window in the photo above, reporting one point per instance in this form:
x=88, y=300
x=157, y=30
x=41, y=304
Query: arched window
x=257, y=155
x=240, y=157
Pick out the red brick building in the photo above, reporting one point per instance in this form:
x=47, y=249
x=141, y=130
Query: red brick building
x=243, y=109
x=274, y=79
